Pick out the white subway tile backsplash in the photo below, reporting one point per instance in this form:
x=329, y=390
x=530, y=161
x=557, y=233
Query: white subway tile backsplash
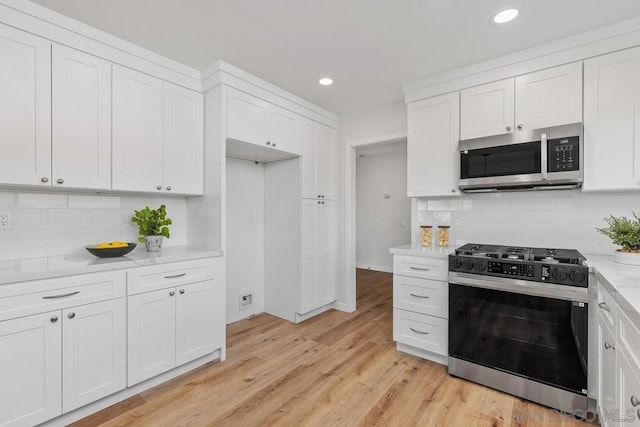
x=76, y=216
x=94, y=202
x=41, y=200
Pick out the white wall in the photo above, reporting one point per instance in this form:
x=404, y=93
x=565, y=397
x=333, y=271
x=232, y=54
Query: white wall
x=381, y=222
x=560, y=219
x=58, y=224
x=244, y=251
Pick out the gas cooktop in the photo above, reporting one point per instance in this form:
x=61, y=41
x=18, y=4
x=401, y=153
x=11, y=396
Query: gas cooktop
x=559, y=266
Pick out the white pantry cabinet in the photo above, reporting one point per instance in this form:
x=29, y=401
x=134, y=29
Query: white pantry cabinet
x=256, y=121
x=487, y=110
x=612, y=121
x=432, y=146
x=25, y=108
x=319, y=161
x=157, y=135
x=81, y=120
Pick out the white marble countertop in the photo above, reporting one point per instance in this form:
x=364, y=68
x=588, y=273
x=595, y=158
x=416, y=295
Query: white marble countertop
x=22, y=270
x=622, y=281
x=416, y=249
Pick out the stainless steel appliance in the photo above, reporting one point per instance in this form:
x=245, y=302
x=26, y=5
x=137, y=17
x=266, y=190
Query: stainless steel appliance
x=518, y=320
x=541, y=159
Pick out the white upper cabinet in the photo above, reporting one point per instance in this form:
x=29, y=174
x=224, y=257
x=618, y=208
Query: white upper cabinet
x=183, y=140
x=25, y=108
x=319, y=160
x=548, y=98
x=81, y=125
x=432, y=146
x=487, y=110
x=137, y=131
x=612, y=121
x=255, y=121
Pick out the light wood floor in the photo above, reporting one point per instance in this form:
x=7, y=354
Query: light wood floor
x=336, y=369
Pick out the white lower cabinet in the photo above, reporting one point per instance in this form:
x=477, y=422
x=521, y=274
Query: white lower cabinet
x=30, y=369
x=421, y=306
x=628, y=374
x=606, y=376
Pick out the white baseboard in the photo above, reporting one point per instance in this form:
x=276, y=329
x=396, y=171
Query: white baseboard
x=418, y=352
x=382, y=268
x=343, y=306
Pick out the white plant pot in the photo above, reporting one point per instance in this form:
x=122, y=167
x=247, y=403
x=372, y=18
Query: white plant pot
x=153, y=243
x=627, y=258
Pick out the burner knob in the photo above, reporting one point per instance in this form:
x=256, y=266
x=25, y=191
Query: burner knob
x=577, y=276
x=558, y=274
x=456, y=263
x=467, y=264
x=480, y=265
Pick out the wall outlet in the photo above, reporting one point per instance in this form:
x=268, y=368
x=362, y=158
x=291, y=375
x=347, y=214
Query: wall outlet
x=5, y=221
x=246, y=301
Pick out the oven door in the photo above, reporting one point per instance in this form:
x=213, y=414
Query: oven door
x=538, y=338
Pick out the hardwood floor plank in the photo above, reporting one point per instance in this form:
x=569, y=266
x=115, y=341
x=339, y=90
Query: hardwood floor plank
x=336, y=369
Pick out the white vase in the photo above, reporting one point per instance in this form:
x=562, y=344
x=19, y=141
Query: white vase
x=153, y=243
x=631, y=258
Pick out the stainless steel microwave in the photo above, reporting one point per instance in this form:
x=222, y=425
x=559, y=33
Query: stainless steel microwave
x=541, y=159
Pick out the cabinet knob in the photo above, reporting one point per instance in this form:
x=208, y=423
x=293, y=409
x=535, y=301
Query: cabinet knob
x=44, y=179
x=60, y=181
x=608, y=346
x=319, y=196
x=159, y=187
x=168, y=188
x=54, y=319
x=71, y=315
x=635, y=401
x=273, y=145
x=453, y=190
x=520, y=127
x=268, y=142
x=172, y=293
x=182, y=291
x=318, y=201
x=508, y=128
x=323, y=196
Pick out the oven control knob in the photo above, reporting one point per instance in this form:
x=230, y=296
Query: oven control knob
x=558, y=274
x=467, y=264
x=577, y=276
x=456, y=263
x=481, y=266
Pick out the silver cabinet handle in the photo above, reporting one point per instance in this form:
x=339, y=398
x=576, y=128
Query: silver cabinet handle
x=172, y=293
x=44, y=179
x=608, y=346
x=520, y=127
x=71, y=315
x=635, y=401
x=168, y=188
x=419, y=332
x=604, y=306
x=182, y=291
x=508, y=128
x=175, y=276
x=419, y=269
x=60, y=181
x=61, y=295
x=54, y=319
x=419, y=296
x=159, y=187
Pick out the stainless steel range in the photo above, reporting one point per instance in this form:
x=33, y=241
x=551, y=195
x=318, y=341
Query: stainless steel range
x=518, y=322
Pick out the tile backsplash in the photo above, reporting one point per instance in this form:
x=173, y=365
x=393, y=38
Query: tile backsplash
x=53, y=224
x=561, y=219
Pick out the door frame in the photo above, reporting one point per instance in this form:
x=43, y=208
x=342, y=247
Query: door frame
x=350, y=209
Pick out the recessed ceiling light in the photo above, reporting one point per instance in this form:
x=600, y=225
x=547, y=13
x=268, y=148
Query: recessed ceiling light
x=325, y=81
x=505, y=16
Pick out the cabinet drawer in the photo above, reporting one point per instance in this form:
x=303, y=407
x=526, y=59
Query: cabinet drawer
x=421, y=331
x=26, y=298
x=421, y=267
x=164, y=276
x=421, y=295
x=629, y=338
x=607, y=307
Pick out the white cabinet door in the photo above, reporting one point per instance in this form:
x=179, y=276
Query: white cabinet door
x=285, y=130
x=550, y=97
x=94, y=363
x=326, y=252
x=30, y=369
x=628, y=376
x=432, y=146
x=319, y=158
x=308, y=298
x=308, y=166
x=81, y=132
x=195, y=317
x=151, y=334
x=183, y=140
x=487, y=110
x=25, y=108
x=137, y=131
x=247, y=118
x=606, y=377
x=612, y=121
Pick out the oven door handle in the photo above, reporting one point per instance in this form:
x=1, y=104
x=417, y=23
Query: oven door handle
x=518, y=286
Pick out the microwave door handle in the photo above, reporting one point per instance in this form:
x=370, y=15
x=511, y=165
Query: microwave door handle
x=543, y=154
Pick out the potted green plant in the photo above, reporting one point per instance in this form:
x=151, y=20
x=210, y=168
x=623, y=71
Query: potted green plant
x=624, y=232
x=153, y=225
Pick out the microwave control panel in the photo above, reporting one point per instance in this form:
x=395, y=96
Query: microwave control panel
x=563, y=154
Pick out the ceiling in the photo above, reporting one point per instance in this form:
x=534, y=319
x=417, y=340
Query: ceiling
x=369, y=47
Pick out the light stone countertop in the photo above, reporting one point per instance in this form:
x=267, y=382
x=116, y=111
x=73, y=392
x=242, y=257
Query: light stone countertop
x=416, y=249
x=22, y=270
